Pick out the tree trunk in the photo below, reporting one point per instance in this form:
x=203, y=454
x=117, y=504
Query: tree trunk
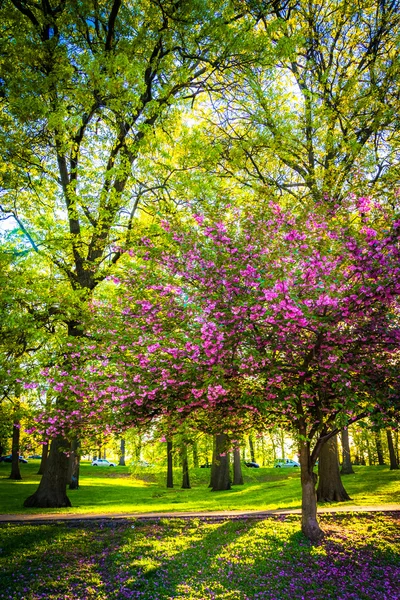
x=379, y=449
x=74, y=464
x=220, y=476
x=122, y=453
x=309, y=523
x=15, y=471
x=52, y=492
x=43, y=462
x=170, y=470
x=185, y=468
x=392, y=454
x=237, y=467
x=330, y=487
x=195, y=455
x=282, y=442
x=251, y=445
x=347, y=468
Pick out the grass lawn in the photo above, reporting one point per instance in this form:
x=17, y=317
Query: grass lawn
x=111, y=490
x=359, y=559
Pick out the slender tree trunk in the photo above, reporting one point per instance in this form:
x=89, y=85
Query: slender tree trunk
x=369, y=453
x=347, y=468
x=45, y=453
x=330, y=487
x=170, y=470
x=195, y=455
x=282, y=442
x=379, y=449
x=74, y=464
x=309, y=523
x=237, y=467
x=251, y=445
x=396, y=443
x=392, y=454
x=220, y=476
x=185, y=468
x=273, y=447
x=15, y=470
x=52, y=490
x=122, y=453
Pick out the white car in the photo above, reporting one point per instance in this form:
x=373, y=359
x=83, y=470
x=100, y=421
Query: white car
x=286, y=462
x=102, y=462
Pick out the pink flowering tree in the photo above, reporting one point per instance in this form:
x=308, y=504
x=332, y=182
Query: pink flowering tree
x=291, y=319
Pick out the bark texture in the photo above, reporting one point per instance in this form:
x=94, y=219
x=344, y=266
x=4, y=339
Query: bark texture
x=237, y=467
x=379, y=449
x=74, y=464
x=15, y=470
x=43, y=462
x=330, y=486
x=185, y=469
x=309, y=523
x=122, y=453
x=392, y=454
x=220, y=476
x=52, y=490
x=347, y=467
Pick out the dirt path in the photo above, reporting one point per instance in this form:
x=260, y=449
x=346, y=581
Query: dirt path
x=213, y=515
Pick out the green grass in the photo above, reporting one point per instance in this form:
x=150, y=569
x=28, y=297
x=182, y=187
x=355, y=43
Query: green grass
x=117, y=490
x=164, y=559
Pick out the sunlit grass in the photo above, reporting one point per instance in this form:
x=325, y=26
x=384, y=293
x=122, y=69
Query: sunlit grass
x=117, y=490
x=163, y=559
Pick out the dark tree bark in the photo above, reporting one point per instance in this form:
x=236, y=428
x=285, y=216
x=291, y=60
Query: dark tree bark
x=122, y=453
x=220, y=476
x=392, y=454
x=347, y=468
x=52, y=490
x=15, y=470
x=43, y=462
x=379, y=449
x=330, y=487
x=237, y=467
x=185, y=468
x=170, y=470
x=74, y=464
x=309, y=523
x=251, y=445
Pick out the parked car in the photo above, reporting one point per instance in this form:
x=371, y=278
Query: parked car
x=252, y=465
x=8, y=459
x=285, y=462
x=102, y=462
x=34, y=456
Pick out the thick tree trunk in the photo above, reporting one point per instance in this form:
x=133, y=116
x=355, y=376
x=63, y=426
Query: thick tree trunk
x=185, y=468
x=220, y=476
x=330, y=487
x=392, y=454
x=309, y=523
x=74, y=464
x=170, y=470
x=379, y=449
x=251, y=445
x=122, y=453
x=347, y=468
x=43, y=462
x=15, y=470
x=237, y=467
x=52, y=490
